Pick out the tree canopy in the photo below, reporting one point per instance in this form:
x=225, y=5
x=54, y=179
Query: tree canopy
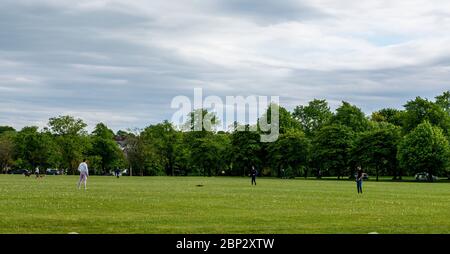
x=420, y=110
x=377, y=150
x=313, y=116
x=425, y=149
x=393, y=142
x=331, y=147
x=351, y=116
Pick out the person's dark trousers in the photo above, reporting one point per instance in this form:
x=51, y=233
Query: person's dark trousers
x=359, y=186
x=253, y=180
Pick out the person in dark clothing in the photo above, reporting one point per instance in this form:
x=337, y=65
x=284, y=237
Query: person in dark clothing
x=117, y=172
x=359, y=179
x=253, y=174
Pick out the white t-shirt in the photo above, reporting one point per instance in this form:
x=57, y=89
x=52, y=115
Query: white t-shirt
x=83, y=168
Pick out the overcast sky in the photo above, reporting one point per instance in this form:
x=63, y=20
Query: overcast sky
x=122, y=61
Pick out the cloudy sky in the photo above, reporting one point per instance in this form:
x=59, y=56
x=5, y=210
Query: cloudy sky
x=122, y=61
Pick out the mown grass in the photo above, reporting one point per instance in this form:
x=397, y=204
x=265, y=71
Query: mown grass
x=160, y=205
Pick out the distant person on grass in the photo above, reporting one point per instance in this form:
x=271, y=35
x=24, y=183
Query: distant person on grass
x=117, y=172
x=253, y=173
x=36, y=172
x=84, y=173
x=359, y=179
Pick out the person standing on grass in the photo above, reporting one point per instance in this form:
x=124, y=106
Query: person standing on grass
x=84, y=173
x=359, y=179
x=253, y=174
x=36, y=172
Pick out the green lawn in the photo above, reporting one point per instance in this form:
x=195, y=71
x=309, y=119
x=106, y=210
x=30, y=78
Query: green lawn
x=222, y=205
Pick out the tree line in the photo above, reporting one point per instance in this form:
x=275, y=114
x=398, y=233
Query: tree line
x=313, y=141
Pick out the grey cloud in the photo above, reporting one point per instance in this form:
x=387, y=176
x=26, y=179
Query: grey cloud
x=49, y=46
x=272, y=11
x=369, y=89
x=93, y=63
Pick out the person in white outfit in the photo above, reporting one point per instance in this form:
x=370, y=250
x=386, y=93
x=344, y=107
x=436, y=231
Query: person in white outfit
x=84, y=173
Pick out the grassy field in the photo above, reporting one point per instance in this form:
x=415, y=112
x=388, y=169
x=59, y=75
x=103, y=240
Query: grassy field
x=221, y=205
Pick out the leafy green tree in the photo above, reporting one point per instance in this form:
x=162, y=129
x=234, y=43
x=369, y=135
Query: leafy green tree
x=331, y=149
x=6, y=129
x=313, y=116
x=245, y=151
x=28, y=146
x=350, y=116
x=35, y=148
x=207, y=153
x=425, y=149
x=388, y=115
x=71, y=136
x=53, y=156
x=134, y=153
x=377, y=149
x=286, y=121
x=223, y=146
x=122, y=133
x=105, y=147
x=139, y=155
x=6, y=150
x=291, y=150
x=165, y=140
x=95, y=164
x=420, y=110
x=183, y=154
x=444, y=101
x=67, y=125
x=197, y=118
x=202, y=152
